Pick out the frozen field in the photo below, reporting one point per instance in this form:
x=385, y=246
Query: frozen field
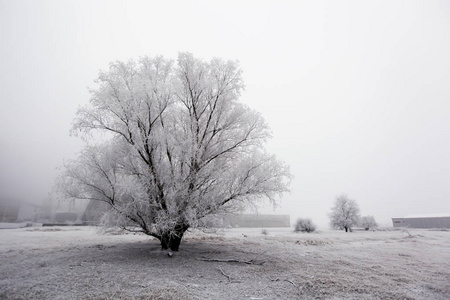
x=81, y=263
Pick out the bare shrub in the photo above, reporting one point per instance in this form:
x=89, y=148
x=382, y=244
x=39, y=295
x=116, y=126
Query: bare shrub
x=304, y=225
x=368, y=222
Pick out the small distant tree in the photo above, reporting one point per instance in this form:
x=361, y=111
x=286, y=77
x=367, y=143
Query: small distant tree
x=344, y=214
x=368, y=222
x=304, y=225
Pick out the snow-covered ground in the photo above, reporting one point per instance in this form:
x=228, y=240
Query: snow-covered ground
x=82, y=263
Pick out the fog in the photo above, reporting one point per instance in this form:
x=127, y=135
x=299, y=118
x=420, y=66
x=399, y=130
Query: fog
x=356, y=92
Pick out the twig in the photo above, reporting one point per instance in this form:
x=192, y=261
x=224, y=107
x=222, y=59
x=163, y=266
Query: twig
x=278, y=279
x=231, y=260
x=274, y=279
x=227, y=276
x=290, y=282
x=77, y=265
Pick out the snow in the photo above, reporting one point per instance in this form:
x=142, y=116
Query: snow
x=81, y=263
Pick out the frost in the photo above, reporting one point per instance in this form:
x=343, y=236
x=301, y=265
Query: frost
x=177, y=146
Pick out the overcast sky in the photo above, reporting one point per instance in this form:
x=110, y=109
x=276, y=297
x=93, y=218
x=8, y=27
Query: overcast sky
x=357, y=93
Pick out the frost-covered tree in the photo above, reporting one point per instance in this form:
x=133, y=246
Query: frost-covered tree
x=179, y=146
x=368, y=222
x=344, y=214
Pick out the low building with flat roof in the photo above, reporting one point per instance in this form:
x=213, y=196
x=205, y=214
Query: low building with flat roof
x=423, y=221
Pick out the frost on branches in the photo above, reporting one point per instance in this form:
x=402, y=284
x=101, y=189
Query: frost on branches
x=179, y=146
x=344, y=214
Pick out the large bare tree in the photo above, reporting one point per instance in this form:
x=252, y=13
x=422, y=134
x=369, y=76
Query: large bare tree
x=178, y=146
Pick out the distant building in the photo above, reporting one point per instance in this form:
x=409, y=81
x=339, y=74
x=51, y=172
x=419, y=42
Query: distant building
x=29, y=213
x=15, y=211
x=9, y=211
x=423, y=221
x=12, y=211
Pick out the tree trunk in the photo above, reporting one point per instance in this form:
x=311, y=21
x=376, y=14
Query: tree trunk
x=171, y=239
x=346, y=229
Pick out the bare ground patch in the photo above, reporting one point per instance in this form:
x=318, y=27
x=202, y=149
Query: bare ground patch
x=74, y=263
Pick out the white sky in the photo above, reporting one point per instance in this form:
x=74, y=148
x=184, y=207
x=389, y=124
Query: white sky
x=356, y=92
